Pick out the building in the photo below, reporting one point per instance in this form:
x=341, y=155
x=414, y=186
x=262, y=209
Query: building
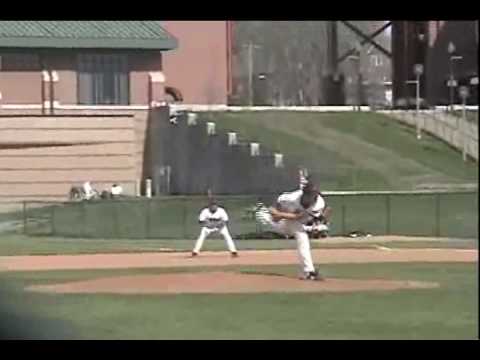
x=74, y=103
x=82, y=62
x=427, y=43
x=373, y=69
x=199, y=71
x=452, y=53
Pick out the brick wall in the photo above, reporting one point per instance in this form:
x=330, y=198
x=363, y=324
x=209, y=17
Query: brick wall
x=199, y=67
x=41, y=157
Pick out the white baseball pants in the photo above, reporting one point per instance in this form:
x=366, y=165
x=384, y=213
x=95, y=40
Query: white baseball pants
x=206, y=231
x=296, y=229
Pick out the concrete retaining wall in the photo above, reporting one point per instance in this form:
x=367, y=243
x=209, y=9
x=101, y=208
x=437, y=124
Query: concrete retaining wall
x=446, y=127
x=41, y=157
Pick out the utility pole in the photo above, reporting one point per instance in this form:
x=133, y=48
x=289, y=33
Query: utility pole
x=251, y=47
x=358, y=68
x=452, y=83
x=464, y=93
x=418, y=71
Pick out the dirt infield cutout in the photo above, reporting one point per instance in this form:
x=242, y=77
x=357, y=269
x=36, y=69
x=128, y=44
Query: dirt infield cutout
x=222, y=283
x=250, y=257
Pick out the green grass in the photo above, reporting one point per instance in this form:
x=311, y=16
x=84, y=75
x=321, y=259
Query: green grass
x=448, y=312
x=348, y=151
x=16, y=244
x=356, y=151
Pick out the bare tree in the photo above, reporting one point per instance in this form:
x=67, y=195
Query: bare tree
x=293, y=56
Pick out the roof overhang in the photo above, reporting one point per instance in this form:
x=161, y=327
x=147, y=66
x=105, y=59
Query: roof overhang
x=139, y=35
x=55, y=43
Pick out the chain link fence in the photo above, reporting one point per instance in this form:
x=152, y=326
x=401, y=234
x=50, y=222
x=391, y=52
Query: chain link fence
x=437, y=214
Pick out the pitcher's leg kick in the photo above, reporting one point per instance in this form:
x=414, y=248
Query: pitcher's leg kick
x=289, y=216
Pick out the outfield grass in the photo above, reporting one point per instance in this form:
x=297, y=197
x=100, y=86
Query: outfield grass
x=448, y=312
x=352, y=151
x=16, y=244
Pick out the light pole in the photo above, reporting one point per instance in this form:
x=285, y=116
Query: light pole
x=250, y=46
x=264, y=90
x=452, y=83
x=356, y=58
x=464, y=93
x=418, y=71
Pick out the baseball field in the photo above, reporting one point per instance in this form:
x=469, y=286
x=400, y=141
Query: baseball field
x=124, y=274
x=378, y=288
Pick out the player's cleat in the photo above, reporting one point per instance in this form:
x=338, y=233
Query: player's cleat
x=194, y=254
x=234, y=254
x=313, y=275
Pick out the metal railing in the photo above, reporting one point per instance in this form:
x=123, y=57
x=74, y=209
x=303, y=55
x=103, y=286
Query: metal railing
x=461, y=134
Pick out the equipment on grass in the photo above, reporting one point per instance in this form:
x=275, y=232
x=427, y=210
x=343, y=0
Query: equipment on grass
x=85, y=192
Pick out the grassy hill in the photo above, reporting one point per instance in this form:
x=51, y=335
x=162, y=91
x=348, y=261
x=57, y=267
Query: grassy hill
x=353, y=151
x=346, y=151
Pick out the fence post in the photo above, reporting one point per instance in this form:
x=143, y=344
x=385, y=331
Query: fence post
x=116, y=224
x=437, y=215
x=52, y=220
x=184, y=219
x=84, y=216
x=344, y=210
x=147, y=218
x=24, y=217
x=148, y=188
x=258, y=225
x=388, y=211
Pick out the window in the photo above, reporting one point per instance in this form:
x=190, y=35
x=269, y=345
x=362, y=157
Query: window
x=376, y=60
x=19, y=62
x=103, y=79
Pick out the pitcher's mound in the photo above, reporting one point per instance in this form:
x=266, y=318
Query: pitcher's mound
x=221, y=282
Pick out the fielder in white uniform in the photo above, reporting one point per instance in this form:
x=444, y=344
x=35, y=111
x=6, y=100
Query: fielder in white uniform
x=214, y=219
x=291, y=211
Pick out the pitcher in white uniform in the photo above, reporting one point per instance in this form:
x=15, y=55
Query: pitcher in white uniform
x=288, y=216
x=214, y=218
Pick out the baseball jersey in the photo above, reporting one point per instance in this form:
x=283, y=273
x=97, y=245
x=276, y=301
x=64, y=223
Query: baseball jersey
x=290, y=201
x=212, y=219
